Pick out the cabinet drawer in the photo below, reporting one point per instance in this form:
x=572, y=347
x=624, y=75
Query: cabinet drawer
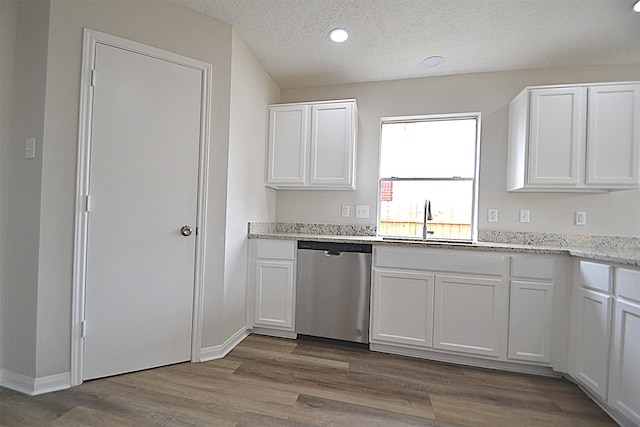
x=439, y=260
x=595, y=276
x=274, y=249
x=628, y=284
x=527, y=267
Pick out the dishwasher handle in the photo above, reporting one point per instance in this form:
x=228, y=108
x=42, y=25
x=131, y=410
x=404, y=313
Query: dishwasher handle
x=333, y=253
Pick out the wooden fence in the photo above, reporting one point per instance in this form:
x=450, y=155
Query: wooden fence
x=414, y=229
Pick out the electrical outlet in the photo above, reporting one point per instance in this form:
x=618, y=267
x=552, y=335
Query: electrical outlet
x=581, y=218
x=492, y=215
x=362, y=211
x=525, y=215
x=345, y=211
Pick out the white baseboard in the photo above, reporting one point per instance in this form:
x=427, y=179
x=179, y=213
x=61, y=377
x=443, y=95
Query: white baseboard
x=274, y=333
x=479, y=362
x=219, y=351
x=34, y=386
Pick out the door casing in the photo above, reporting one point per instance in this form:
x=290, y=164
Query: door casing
x=91, y=39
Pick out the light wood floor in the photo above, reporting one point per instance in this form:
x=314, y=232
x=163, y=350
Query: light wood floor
x=275, y=382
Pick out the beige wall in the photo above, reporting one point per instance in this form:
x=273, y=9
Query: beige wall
x=8, y=24
x=22, y=184
x=252, y=89
x=616, y=213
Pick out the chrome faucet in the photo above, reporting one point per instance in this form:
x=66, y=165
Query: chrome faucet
x=427, y=217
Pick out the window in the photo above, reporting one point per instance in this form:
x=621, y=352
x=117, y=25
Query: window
x=429, y=160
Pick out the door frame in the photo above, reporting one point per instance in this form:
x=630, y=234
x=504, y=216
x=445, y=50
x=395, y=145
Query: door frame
x=90, y=39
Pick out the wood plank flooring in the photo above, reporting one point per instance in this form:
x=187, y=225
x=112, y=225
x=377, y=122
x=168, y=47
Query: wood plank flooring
x=272, y=382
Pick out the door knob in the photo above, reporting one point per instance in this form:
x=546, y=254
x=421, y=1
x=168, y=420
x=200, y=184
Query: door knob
x=186, y=230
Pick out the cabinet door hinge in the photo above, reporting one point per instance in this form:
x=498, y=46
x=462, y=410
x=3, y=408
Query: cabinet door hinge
x=84, y=329
x=93, y=78
x=87, y=203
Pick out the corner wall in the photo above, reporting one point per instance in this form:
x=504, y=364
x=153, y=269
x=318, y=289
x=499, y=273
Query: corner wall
x=615, y=213
x=22, y=187
x=252, y=89
x=8, y=28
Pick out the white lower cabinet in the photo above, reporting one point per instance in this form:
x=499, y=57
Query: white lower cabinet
x=530, y=320
x=593, y=321
x=439, y=300
x=273, y=285
x=402, y=307
x=604, y=342
x=469, y=313
x=624, y=381
x=274, y=294
x=531, y=308
x=590, y=340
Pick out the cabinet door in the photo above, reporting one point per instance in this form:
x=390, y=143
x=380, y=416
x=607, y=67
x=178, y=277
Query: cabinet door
x=274, y=294
x=557, y=136
x=469, y=314
x=288, y=144
x=402, y=308
x=332, y=145
x=613, y=136
x=624, y=391
x=593, y=338
x=530, y=314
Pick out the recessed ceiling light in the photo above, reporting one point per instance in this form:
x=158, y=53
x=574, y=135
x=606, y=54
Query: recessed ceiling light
x=339, y=35
x=432, y=61
x=636, y=7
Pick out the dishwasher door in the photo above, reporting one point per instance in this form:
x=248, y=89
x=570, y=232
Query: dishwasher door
x=333, y=287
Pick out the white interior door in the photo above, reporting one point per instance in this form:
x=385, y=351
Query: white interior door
x=143, y=179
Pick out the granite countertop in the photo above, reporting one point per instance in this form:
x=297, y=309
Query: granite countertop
x=614, y=249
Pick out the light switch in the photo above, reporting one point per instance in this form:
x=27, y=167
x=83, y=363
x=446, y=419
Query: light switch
x=525, y=215
x=345, y=211
x=581, y=218
x=362, y=211
x=30, y=148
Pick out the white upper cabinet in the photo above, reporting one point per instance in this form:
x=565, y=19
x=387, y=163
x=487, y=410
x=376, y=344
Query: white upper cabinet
x=312, y=146
x=574, y=138
x=288, y=152
x=613, y=134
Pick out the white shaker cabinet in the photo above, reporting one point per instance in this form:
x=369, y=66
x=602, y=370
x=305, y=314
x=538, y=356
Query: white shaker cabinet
x=574, y=138
x=273, y=285
x=469, y=314
x=613, y=136
x=444, y=300
x=624, y=380
x=402, y=307
x=531, y=308
x=288, y=150
x=591, y=316
x=312, y=146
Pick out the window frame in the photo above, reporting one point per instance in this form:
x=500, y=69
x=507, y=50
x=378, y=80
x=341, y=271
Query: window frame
x=475, y=179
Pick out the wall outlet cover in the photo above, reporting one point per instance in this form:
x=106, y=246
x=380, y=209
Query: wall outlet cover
x=581, y=218
x=345, y=211
x=492, y=215
x=525, y=215
x=362, y=211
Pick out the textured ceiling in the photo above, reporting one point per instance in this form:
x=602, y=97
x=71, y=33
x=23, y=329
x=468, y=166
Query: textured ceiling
x=390, y=38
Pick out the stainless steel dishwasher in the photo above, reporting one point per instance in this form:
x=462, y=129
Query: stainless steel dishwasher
x=333, y=285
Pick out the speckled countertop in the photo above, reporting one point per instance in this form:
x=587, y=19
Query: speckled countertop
x=614, y=249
